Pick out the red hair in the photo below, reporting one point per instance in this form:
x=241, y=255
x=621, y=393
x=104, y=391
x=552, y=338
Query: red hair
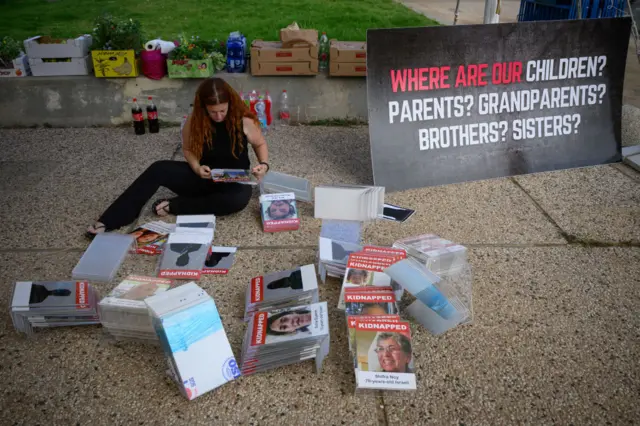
x=216, y=91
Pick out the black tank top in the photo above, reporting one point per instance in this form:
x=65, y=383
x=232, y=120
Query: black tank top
x=220, y=155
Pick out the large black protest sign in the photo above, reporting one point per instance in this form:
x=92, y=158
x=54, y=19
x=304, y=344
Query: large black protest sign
x=462, y=103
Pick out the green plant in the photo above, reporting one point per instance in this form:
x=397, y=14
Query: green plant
x=10, y=49
x=111, y=33
x=196, y=48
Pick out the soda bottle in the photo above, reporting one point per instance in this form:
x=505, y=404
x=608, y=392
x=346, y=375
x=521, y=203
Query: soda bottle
x=253, y=98
x=138, y=118
x=152, y=117
x=285, y=116
x=262, y=114
x=324, y=52
x=268, y=103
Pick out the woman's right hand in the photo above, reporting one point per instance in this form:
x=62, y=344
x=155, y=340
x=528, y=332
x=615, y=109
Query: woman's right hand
x=204, y=172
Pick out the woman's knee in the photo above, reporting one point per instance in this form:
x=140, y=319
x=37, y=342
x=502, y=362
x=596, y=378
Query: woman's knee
x=236, y=202
x=160, y=166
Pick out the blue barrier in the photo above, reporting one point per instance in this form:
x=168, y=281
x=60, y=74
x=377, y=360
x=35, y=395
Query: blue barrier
x=551, y=10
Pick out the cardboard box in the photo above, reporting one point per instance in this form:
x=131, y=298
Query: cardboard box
x=294, y=38
x=20, y=68
x=272, y=51
x=115, y=63
x=48, y=47
x=348, y=51
x=284, y=68
x=190, y=68
x=270, y=58
x=345, y=69
x=73, y=66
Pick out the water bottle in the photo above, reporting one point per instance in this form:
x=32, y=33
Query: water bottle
x=324, y=52
x=236, y=52
x=284, y=113
x=261, y=112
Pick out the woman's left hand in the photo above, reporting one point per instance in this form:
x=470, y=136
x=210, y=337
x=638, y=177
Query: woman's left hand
x=259, y=171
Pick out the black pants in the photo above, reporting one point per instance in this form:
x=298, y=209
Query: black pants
x=195, y=194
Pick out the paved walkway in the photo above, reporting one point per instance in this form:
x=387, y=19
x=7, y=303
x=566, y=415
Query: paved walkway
x=556, y=261
x=472, y=12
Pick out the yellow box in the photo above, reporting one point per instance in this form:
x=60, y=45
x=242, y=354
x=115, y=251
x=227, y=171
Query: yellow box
x=114, y=63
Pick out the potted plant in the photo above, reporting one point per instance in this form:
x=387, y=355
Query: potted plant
x=13, y=61
x=195, y=58
x=116, y=46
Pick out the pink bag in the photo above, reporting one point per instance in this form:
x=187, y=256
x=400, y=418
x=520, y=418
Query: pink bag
x=154, y=64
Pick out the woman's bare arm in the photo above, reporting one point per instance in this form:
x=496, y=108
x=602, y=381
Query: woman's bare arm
x=188, y=155
x=256, y=139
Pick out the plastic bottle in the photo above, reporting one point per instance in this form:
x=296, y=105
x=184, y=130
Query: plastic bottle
x=269, y=103
x=324, y=52
x=138, y=118
x=261, y=107
x=152, y=117
x=285, y=115
x=253, y=98
x=236, y=52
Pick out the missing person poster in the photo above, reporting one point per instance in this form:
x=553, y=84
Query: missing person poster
x=461, y=103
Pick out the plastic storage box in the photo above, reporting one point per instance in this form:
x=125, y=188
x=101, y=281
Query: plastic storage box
x=275, y=182
x=47, y=47
x=75, y=66
x=103, y=257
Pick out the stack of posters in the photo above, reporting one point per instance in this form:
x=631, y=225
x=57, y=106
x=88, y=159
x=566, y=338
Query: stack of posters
x=151, y=236
x=279, y=212
x=383, y=354
x=196, y=221
x=219, y=260
x=357, y=203
x=233, y=176
x=280, y=290
x=286, y=336
x=37, y=304
x=185, y=253
x=365, y=270
x=440, y=256
x=123, y=312
x=195, y=344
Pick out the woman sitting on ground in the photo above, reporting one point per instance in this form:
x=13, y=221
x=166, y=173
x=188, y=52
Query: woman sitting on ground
x=215, y=136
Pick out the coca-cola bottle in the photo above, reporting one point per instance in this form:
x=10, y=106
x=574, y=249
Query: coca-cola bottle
x=138, y=118
x=152, y=117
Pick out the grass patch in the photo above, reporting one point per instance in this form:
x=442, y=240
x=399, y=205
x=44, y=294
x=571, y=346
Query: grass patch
x=341, y=19
x=339, y=122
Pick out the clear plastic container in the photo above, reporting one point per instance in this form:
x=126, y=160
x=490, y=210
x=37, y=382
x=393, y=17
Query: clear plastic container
x=103, y=257
x=275, y=182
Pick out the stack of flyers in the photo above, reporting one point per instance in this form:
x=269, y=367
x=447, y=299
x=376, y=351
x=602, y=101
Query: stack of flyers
x=440, y=256
x=365, y=270
x=279, y=212
x=219, y=260
x=185, y=253
x=233, y=176
x=123, y=312
x=357, y=203
x=193, y=339
x=53, y=304
x=374, y=305
x=151, y=236
x=333, y=256
x=383, y=354
x=286, y=336
x=280, y=290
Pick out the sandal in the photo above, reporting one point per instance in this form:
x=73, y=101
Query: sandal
x=165, y=209
x=92, y=235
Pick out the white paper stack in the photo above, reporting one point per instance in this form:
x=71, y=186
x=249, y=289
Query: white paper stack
x=185, y=253
x=195, y=344
x=53, y=304
x=123, y=312
x=349, y=202
x=280, y=290
x=286, y=336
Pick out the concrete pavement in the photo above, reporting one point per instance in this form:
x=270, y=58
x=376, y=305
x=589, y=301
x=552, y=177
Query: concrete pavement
x=556, y=260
